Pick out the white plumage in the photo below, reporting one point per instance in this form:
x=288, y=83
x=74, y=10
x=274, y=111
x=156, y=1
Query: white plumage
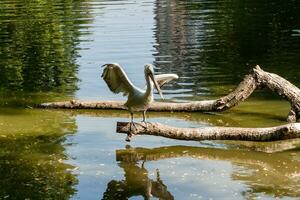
x=162, y=79
x=138, y=99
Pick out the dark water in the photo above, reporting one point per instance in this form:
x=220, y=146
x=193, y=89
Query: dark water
x=53, y=50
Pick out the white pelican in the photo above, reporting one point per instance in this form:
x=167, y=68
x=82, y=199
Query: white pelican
x=138, y=99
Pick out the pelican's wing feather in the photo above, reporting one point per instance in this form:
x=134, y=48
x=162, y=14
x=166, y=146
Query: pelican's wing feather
x=116, y=79
x=165, y=78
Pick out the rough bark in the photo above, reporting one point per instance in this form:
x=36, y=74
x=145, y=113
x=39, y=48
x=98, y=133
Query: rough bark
x=256, y=78
x=287, y=131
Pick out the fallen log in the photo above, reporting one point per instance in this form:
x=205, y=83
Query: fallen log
x=255, y=79
x=282, y=132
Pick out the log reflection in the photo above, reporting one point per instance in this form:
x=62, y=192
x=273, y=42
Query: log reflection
x=274, y=174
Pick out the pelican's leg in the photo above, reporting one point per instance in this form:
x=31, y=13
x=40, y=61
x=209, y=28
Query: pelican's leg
x=131, y=117
x=144, y=118
x=129, y=135
x=132, y=123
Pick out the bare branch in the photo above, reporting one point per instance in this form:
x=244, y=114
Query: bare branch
x=256, y=77
x=287, y=131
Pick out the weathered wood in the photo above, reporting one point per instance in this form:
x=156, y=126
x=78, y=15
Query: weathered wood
x=256, y=78
x=78, y=104
x=287, y=131
x=119, y=105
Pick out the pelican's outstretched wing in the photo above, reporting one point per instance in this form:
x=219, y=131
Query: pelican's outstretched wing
x=165, y=78
x=116, y=79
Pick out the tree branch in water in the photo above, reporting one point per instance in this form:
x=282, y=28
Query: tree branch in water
x=287, y=131
x=255, y=79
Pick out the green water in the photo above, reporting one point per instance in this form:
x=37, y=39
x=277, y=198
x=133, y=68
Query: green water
x=53, y=50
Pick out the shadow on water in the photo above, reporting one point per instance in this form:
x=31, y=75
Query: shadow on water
x=260, y=171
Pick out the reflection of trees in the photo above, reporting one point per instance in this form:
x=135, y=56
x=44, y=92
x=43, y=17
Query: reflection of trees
x=212, y=43
x=17, y=123
x=263, y=33
x=32, y=168
x=136, y=183
x=274, y=174
x=32, y=156
x=38, y=42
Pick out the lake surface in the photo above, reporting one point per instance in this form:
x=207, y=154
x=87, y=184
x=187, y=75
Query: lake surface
x=53, y=50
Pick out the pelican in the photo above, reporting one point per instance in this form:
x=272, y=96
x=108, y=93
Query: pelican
x=138, y=99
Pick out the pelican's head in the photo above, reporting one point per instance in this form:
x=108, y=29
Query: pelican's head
x=110, y=64
x=149, y=68
x=149, y=71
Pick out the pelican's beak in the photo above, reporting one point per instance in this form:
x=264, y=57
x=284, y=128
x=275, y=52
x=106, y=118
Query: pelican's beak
x=156, y=85
x=102, y=75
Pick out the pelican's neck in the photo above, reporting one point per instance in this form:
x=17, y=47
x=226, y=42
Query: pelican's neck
x=149, y=85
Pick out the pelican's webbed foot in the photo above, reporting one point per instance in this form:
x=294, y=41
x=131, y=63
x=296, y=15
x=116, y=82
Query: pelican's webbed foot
x=132, y=126
x=145, y=126
x=144, y=120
